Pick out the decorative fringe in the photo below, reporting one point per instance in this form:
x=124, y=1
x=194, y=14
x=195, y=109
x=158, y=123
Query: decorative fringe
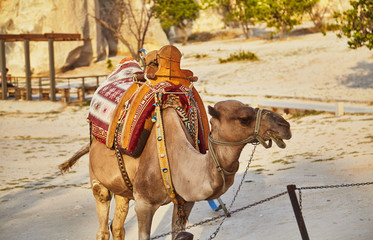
x=182, y=218
x=65, y=167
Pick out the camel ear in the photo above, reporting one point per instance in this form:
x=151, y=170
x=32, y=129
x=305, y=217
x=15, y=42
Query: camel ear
x=213, y=112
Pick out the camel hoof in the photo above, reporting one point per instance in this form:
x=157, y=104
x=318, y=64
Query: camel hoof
x=184, y=236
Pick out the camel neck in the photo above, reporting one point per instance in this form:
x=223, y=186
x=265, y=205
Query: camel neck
x=194, y=175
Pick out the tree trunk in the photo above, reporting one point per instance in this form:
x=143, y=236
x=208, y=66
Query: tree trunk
x=185, y=35
x=129, y=46
x=282, y=31
x=245, y=29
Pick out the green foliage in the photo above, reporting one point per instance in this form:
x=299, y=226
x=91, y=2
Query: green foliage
x=175, y=12
x=317, y=13
x=306, y=114
x=244, y=12
x=109, y=64
x=281, y=14
x=357, y=24
x=284, y=14
x=200, y=55
x=240, y=56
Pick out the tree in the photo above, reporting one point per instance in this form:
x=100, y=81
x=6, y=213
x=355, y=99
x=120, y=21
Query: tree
x=283, y=14
x=317, y=13
x=357, y=24
x=244, y=12
x=176, y=13
x=118, y=14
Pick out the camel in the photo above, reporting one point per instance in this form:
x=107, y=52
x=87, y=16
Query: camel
x=195, y=176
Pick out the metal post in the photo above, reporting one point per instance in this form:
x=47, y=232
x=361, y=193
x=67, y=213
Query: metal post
x=51, y=70
x=297, y=212
x=227, y=213
x=4, y=87
x=27, y=69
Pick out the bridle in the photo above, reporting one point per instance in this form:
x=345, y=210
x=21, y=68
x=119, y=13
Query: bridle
x=254, y=139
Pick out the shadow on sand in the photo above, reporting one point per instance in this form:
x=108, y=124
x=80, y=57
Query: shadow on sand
x=361, y=78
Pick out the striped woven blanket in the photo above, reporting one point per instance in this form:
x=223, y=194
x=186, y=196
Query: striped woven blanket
x=107, y=96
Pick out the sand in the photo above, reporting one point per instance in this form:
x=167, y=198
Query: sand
x=36, y=202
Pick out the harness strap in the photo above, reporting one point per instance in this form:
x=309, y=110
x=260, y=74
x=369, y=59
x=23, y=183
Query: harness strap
x=162, y=153
x=253, y=137
x=164, y=164
x=119, y=156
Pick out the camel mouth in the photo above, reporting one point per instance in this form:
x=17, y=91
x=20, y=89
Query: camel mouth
x=280, y=143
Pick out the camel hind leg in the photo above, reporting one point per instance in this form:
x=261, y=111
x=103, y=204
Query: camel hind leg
x=121, y=211
x=103, y=198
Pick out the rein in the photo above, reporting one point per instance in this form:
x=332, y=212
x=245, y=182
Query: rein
x=251, y=139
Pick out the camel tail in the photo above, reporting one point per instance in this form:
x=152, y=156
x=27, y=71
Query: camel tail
x=65, y=167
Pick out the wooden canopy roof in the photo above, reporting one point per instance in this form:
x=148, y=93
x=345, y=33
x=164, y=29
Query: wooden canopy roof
x=42, y=37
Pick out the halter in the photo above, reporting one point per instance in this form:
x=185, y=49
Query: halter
x=252, y=138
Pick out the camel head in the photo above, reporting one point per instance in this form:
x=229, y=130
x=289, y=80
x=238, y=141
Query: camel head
x=232, y=121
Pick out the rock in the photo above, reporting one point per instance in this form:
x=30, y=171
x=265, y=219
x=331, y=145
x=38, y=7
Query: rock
x=63, y=16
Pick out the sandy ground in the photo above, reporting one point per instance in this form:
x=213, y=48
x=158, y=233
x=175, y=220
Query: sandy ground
x=36, y=202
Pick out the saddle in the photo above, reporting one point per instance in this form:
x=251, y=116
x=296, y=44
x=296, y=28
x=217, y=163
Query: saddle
x=122, y=108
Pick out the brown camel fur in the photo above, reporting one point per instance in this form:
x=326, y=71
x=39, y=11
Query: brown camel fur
x=194, y=175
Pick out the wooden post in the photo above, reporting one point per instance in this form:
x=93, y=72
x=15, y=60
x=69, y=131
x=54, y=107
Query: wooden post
x=51, y=70
x=27, y=69
x=4, y=88
x=97, y=81
x=83, y=88
x=297, y=212
x=40, y=90
x=340, y=109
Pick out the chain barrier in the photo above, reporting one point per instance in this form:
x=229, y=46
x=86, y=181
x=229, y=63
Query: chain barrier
x=231, y=212
x=222, y=216
x=337, y=186
x=213, y=235
x=257, y=203
x=327, y=187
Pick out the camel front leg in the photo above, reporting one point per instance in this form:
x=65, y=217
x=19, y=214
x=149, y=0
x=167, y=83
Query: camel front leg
x=121, y=211
x=144, y=212
x=103, y=198
x=177, y=226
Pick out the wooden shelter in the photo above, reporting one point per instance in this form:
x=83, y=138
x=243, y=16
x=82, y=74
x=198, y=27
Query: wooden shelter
x=26, y=38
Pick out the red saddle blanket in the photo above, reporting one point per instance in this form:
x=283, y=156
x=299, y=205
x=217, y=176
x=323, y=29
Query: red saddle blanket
x=107, y=96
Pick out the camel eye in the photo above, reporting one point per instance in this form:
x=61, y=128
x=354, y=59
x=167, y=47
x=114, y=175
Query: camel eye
x=245, y=120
